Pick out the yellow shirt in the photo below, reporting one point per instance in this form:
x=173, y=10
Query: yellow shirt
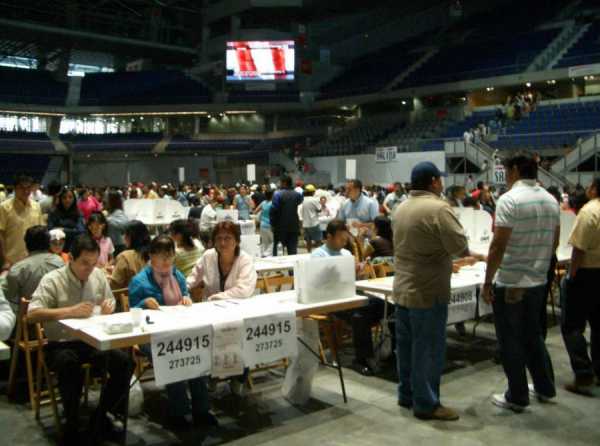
x=586, y=234
x=15, y=219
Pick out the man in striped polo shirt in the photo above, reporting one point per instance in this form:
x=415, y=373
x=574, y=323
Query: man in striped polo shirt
x=525, y=237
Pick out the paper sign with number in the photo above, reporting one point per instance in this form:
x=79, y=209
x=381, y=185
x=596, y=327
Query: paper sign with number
x=462, y=306
x=499, y=174
x=269, y=338
x=182, y=355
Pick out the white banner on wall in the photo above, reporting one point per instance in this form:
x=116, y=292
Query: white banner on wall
x=251, y=172
x=350, y=169
x=386, y=154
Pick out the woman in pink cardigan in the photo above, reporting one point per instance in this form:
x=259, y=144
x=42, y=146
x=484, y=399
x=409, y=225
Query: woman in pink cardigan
x=225, y=271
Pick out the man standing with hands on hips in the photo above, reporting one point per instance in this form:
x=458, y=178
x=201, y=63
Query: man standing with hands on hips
x=526, y=234
x=427, y=235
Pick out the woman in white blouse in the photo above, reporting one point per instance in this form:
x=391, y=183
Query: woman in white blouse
x=225, y=271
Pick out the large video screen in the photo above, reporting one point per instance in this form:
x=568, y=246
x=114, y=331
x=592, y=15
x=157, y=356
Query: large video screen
x=264, y=60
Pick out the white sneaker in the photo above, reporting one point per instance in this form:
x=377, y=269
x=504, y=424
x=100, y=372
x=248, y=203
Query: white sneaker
x=541, y=398
x=500, y=401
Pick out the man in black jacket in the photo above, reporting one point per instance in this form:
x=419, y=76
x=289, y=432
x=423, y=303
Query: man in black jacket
x=284, y=217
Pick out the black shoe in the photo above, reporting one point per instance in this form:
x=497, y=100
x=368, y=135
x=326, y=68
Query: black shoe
x=362, y=368
x=177, y=423
x=206, y=420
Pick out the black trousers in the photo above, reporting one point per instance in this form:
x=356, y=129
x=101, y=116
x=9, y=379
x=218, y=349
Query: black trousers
x=65, y=360
x=289, y=240
x=362, y=321
x=580, y=305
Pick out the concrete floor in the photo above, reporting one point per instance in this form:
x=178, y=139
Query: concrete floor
x=371, y=416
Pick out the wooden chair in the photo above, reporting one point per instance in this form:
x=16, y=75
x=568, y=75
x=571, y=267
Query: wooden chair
x=43, y=373
x=274, y=283
x=383, y=269
x=119, y=293
x=23, y=343
x=45, y=380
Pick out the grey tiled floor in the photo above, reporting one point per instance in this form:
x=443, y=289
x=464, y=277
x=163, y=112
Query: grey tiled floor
x=371, y=416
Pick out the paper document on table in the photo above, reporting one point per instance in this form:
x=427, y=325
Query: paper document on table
x=227, y=349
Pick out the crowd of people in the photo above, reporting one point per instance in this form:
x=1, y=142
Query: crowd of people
x=68, y=249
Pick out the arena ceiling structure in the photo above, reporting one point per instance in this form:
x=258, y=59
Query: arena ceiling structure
x=168, y=32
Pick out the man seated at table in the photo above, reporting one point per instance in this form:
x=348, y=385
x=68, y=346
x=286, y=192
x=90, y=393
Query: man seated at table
x=161, y=284
x=7, y=318
x=225, y=271
x=361, y=319
x=24, y=276
x=73, y=291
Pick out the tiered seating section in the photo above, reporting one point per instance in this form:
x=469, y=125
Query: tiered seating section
x=358, y=137
x=143, y=142
x=371, y=73
x=549, y=127
x=409, y=138
x=585, y=51
x=185, y=143
x=31, y=87
x=552, y=126
x=142, y=88
x=25, y=142
x=481, y=57
x=35, y=166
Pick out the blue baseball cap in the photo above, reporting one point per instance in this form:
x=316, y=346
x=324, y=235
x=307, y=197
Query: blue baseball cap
x=424, y=171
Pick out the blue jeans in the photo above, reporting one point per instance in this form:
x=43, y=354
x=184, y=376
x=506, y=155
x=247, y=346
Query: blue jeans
x=179, y=403
x=521, y=342
x=421, y=355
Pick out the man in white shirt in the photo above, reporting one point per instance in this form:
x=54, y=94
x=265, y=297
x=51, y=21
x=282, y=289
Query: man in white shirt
x=208, y=218
x=310, y=209
x=394, y=198
x=526, y=234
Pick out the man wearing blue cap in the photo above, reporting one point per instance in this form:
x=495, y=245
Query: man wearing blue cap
x=427, y=235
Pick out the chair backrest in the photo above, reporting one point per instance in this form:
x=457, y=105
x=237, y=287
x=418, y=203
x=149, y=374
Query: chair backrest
x=370, y=271
x=276, y=282
x=22, y=328
x=383, y=269
x=122, y=299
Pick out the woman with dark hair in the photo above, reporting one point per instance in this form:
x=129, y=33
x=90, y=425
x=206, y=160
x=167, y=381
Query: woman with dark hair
x=134, y=258
x=67, y=217
x=381, y=247
x=188, y=249
x=88, y=203
x=157, y=285
x=225, y=271
x=98, y=229
x=117, y=220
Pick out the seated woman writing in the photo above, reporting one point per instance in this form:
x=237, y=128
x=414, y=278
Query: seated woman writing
x=161, y=284
x=225, y=271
